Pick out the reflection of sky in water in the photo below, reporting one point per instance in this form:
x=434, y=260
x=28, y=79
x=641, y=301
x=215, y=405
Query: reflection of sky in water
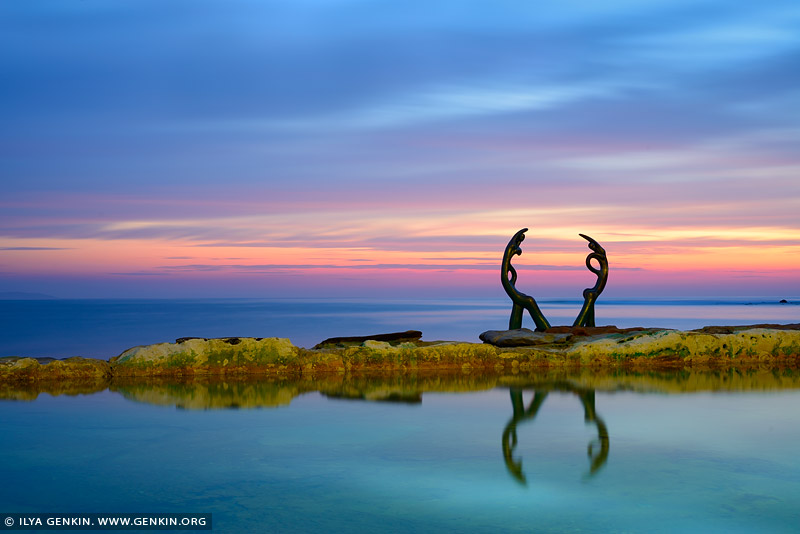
x=698, y=462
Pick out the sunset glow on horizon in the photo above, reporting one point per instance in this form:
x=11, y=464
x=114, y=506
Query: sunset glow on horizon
x=333, y=149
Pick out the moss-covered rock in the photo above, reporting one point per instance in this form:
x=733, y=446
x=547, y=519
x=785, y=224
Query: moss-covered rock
x=634, y=348
x=673, y=347
x=208, y=356
x=13, y=369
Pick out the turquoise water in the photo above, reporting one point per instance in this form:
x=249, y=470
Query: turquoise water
x=301, y=458
x=686, y=462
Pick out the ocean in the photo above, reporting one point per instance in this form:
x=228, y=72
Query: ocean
x=102, y=328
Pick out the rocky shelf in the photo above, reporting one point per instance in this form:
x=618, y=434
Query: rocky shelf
x=505, y=352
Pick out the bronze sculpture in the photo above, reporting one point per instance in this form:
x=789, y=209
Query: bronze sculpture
x=590, y=294
x=521, y=301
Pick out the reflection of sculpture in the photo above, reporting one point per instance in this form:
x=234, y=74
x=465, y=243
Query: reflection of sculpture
x=521, y=301
x=597, y=458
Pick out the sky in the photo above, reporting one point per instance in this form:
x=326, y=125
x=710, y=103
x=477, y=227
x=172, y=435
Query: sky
x=357, y=148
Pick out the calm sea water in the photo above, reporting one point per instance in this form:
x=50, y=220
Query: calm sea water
x=288, y=457
x=105, y=328
x=455, y=462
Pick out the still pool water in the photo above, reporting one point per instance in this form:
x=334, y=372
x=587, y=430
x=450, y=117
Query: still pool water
x=687, y=452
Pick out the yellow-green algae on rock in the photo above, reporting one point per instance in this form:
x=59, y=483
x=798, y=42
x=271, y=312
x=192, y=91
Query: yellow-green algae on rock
x=31, y=369
x=232, y=356
x=646, y=348
x=278, y=356
x=689, y=348
x=207, y=356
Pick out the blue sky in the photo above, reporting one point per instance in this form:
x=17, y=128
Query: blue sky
x=169, y=140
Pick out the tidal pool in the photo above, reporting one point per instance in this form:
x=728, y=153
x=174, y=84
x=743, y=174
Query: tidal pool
x=659, y=452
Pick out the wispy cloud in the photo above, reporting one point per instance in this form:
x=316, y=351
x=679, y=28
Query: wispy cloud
x=33, y=248
x=398, y=136
x=271, y=268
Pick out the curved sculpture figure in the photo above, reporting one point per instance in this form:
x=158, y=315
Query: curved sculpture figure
x=590, y=294
x=520, y=300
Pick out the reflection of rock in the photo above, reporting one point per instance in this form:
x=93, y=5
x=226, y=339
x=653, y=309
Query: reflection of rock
x=214, y=392
x=402, y=397
x=210, y=394
x=202, y=392
x=28, y=391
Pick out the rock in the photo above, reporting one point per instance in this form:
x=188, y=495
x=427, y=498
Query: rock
x=673, y=347
x=394, y=337
x=557, y=335
x=734, y=329
x=33, y=369
x=378, y=345
x=522, y=337
x=203, y=356
x=595, y=330
x=229, y=340
x=16, y=368
x=503, y=351
x=784, y=301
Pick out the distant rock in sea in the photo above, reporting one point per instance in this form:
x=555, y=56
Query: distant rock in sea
x=22, y=295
